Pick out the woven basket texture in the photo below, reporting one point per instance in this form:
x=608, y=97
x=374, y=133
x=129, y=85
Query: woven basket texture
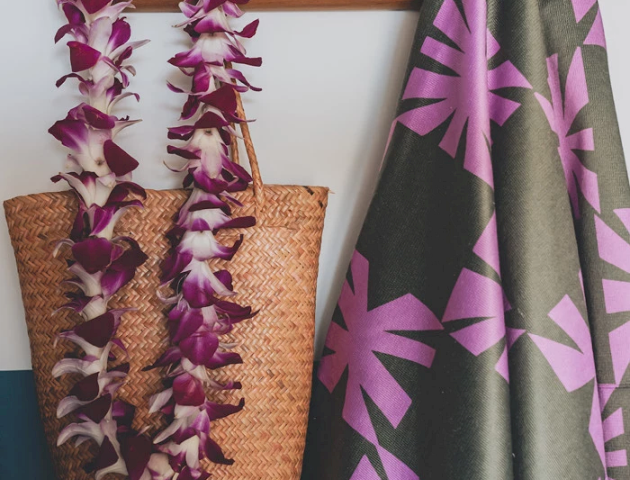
x=275, y=272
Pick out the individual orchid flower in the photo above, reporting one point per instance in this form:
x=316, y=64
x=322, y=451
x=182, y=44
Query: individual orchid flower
x=101, y=427
x=101, y=263
x=200, y=313
x=89, y=134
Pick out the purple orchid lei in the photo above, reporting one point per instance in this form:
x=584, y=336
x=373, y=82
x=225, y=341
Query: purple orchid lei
x=200, y=313
x=101, y=263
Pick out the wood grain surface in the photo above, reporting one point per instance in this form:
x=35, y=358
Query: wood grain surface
x=258, y=5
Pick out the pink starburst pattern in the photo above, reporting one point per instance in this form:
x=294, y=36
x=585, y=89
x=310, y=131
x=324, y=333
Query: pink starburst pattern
x=574, y=368
x=613, y=424
x=561, y=114
x=470, y=97
x=368, y=333
x=616, y=251
x=596, y=35
x=476, y=296
x=613, y=249
x=582, y=7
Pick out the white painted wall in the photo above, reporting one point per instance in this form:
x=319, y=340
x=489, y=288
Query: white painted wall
x=331, y=82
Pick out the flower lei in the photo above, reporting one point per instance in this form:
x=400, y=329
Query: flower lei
x=101, y=263
x=200, y=315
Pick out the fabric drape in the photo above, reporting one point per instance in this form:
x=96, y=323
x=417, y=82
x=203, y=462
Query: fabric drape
x=483, y=330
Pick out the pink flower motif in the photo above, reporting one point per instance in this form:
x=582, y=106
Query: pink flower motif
x=561, y=114
x=368, y=332
x=574, y=368
x=468, y=98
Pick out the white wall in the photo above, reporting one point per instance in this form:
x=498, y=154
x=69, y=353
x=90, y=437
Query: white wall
x=616, y=14
x=331, y=82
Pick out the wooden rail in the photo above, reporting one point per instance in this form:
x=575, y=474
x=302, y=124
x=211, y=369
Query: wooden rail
x=258, y=5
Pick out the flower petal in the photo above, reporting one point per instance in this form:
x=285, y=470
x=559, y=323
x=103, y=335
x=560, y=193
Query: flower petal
x=121, y=33
x=94, y=254
x=250, y=30
x=172, y=355
x=200, y=347
x=175, y=264
x=106, y=458
x=123, y=189
x=234, y=312
x=123, y=413
x=71, y=133
x=159, y=467
x=74, y=365
x=93, y=6
x=119, y=161
x=186, y=324
x=136, y=451
x=84, y=429
x=215, y=454
x=174, y=426
x=223, y=98
x=200, y=286
x=99, y=330
x=73, y=14
x=68, y=405
x=185, y=132
x=223, y=359
x=187, y=390
x=182, y=152
x=97, y=409
x=87, y=389
x=240, y=222
x=211, y=120
x=122, y=270
x=216, y=410
x=97, y=119
x=157, y=401
x=82, y=56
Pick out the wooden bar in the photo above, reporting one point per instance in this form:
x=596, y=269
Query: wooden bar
x=260, y=5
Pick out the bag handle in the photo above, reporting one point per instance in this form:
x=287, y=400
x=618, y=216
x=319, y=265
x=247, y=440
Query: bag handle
x=251, y=155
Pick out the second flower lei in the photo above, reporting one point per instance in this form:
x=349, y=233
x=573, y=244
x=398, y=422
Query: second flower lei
x=201, y=314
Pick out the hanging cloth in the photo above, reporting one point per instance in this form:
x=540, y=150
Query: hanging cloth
x=483, y=330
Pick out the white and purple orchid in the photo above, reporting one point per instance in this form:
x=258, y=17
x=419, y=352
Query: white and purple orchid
x=101, y=263
x=200, y=313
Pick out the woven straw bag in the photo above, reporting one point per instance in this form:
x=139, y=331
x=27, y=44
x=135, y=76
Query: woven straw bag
x=275, y=272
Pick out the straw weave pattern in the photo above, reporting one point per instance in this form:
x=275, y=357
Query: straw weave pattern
x=275, y=272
